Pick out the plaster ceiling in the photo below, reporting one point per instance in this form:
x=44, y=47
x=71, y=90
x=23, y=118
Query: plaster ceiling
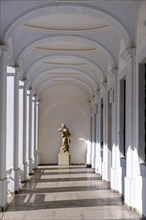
x=67, y=42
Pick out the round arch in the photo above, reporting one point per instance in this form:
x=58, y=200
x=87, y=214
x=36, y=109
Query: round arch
x=39, y=11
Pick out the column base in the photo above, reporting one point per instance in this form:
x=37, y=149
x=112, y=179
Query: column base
x=100, y=165
x=16, y=181
x=88, y=158
x=114, y=179
x=35, y=162
x=64, y=159
x=3, y=194
x=93, y=161
x=96, y=165
x=129, y=192
x=104, y=171
x=30, y=166
x=25, y=171
x=88, y=165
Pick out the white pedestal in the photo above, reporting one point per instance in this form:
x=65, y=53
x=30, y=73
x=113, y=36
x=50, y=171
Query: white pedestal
x=64, y=159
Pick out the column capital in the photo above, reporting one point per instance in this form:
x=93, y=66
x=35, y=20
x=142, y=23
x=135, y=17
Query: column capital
x=97, y=96
x=18, y=72
x=39, y=101
x=6, y=51
x=112, y=74
x=32, y=91
x=103, y=85
x=128, y=53
x=26, y=83
x=97, y=92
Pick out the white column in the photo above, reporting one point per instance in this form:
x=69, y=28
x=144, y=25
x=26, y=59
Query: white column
x=105, y=130
x=3, y=95
x=89, y=142
x=16, y=129
x=35, y=132
x=129, y=56
x=115, y=146
x=30, y=134
x=97, y=140
x=93, y=132
x=99, y=149
x=25, y=165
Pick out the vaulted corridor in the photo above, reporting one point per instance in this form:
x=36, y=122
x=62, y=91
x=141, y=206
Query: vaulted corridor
x=80, y=64
x=67, y=193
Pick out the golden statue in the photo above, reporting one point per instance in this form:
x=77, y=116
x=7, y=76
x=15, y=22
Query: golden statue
x=66, y=138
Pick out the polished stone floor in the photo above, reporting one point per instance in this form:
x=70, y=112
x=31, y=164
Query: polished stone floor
x=61, y=193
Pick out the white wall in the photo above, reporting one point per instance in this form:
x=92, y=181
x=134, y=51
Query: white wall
x=56, y=109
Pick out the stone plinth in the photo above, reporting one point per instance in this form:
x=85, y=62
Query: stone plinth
x=64, y=159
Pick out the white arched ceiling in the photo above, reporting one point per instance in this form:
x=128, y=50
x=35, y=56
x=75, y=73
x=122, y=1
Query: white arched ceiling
x=65, y=61
x=62, y=60
x=82, y=37
x=63, y=43
x=99, y=18
x=63, y=74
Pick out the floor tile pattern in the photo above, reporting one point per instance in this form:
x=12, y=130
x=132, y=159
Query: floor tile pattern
x=67, y=193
